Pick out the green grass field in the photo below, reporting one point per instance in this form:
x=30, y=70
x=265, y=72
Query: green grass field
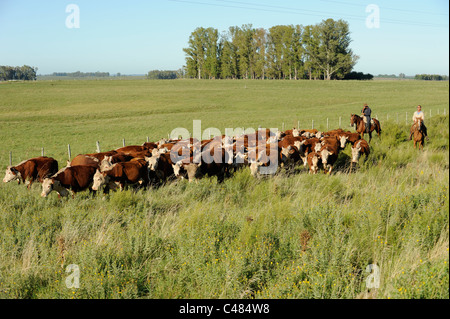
x=292, y=235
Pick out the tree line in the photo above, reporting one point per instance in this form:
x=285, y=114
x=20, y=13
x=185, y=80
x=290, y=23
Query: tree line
x=320, y=51
x=24, y=72
x=431, y=77
x=162, y=75
x=79, y=74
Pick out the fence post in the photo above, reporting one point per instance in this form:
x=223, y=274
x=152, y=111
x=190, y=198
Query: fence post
x=282, y=126
x=147, y=139
x=298, y=124
x=98, y=146
x=42, y=151
x=10, y=158
x=312, y=125
x=123, y=142
x=445, y=112
x=68, y=151
x=327, y=123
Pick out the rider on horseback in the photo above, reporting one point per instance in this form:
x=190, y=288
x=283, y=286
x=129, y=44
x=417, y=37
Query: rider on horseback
x=418, y=115
x=366, y=113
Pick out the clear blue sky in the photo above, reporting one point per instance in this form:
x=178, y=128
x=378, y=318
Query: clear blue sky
x=133, y=37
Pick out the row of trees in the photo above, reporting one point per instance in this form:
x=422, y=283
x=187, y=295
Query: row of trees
x=79, y=74
x=162, y=75
x=318, y=51
x=358, y=76
x=24, y=72
x=431, y=77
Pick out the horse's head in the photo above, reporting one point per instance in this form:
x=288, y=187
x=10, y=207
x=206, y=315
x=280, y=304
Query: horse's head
x=353, y=119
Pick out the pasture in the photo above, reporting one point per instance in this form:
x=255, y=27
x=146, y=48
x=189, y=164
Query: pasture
x=293, y=235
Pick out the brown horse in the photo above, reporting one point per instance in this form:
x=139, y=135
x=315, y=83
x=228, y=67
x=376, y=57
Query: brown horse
x=360, y=126
x=419, y=136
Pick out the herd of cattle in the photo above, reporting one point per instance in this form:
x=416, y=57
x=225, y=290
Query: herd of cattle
x=155, y=163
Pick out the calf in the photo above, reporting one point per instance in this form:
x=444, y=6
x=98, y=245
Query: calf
x=75, y=178
x=28, y=171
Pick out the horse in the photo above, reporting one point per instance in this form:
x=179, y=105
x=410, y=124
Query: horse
x=360, y=126
x=419, y=136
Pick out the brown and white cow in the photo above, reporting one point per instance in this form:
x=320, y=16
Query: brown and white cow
x=307, y=146
x=359, y=148
x=160, y=166
x=74, y=178
x=329, y=153
x=349, y=137
x=123, y=173
x=30, y=170
x=108, y=161
x=314, y=162
x=265, y=159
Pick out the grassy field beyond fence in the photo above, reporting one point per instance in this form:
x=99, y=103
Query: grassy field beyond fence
x=292, y=235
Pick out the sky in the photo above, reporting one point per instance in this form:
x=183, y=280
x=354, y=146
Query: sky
x=134, y=37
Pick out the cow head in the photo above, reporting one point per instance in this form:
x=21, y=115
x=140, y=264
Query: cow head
x=279, y=135
x=325, y=154
x=295, y=132
x=106, y=163
x=254, y=168
x=286, y=151
x=98, y=180
x=178, y=170
x=11, y=174
x=153, y=161
x=343, y=141
x=49, y=185
x=356, y=152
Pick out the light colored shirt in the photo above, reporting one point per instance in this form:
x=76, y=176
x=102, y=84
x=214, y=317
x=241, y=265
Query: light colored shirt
x=418, y=115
